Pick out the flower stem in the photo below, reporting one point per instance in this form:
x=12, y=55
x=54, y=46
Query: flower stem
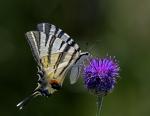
x=99, y=104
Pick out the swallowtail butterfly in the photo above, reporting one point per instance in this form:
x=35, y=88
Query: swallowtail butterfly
x=55, y=53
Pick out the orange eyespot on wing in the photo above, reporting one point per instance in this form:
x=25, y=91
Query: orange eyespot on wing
x=55, y=84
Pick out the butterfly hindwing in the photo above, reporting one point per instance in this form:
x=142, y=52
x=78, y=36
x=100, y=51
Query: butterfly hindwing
x=77, y=67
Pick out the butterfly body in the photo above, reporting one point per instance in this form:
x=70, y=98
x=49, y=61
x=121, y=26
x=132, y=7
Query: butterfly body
x=55, y=53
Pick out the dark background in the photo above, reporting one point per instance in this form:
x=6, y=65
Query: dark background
x=119, y=28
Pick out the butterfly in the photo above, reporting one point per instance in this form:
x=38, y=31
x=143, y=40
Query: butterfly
x=56, y=53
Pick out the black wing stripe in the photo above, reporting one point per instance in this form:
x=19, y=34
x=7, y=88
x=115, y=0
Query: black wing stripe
x=85, y=53
x=63, y=47
x=69, y=63
x=58, y=61
x=63, y=50
x=72, y=44
x=51, y=44
x=59, y=33
x=62, y=43
x=44, y=27
x=68, y=40
x=56, y=30
x=78, y=66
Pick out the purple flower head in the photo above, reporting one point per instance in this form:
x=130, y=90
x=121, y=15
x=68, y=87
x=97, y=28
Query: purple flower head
x=101, y=74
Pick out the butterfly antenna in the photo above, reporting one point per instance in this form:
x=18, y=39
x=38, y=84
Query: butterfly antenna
x=91, y=46
x=21, y=104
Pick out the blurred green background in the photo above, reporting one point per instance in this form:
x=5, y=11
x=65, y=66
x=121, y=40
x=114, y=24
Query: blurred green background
x=119, y=28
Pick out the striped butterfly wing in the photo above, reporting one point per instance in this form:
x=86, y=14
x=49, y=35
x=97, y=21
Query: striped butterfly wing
x=33, y=38
x=60, y=63
x=42, y=45
x=66, y=60
x=50, y=29
x=49, y=40
x=48, y=50
x=78, y=65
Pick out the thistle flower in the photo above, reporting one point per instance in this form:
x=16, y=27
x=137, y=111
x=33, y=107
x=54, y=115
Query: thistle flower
x=100, y=77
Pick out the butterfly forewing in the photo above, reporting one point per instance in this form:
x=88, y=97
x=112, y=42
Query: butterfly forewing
x=33, y=40
x=44, y=27
x=58, y=33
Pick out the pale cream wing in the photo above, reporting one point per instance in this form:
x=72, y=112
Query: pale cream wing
x=65, y=63
x=76, y=69
x=33, y=40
